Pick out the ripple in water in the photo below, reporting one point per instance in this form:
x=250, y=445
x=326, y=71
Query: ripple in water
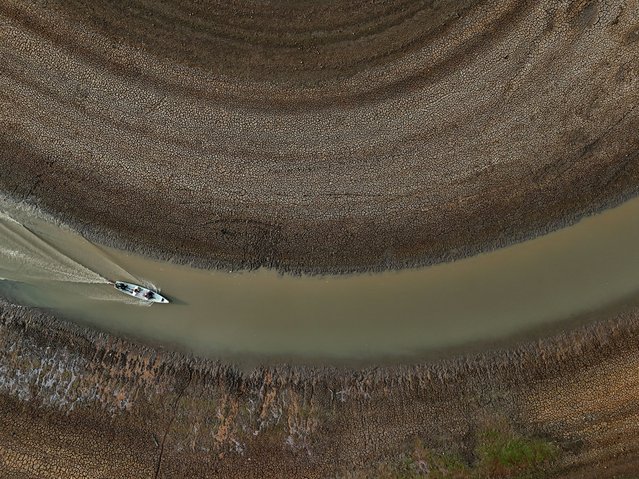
x=26, y=257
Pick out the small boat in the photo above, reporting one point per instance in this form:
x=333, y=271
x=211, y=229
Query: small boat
x=140, y=292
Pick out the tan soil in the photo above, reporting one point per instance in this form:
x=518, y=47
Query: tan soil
x=319, y=136
x=80, y=404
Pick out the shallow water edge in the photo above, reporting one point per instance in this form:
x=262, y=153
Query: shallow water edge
x=525, y=290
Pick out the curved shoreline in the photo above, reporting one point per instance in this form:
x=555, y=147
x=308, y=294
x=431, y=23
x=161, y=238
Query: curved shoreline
x=525, y=291
x=440, y=170
x=297, y=141
x=99, y=382
x=113, y=239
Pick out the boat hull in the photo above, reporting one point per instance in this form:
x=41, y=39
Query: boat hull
x=140, y=292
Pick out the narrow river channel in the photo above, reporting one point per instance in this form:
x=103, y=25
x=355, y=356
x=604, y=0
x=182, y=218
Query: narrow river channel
x=490, y=297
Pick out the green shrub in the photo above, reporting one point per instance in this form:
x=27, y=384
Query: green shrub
x=499, y=454
x=504, y=454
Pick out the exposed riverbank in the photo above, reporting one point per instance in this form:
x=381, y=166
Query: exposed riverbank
x=432, y=133
x=314, y=137
x=527, y=290
x=118, y=409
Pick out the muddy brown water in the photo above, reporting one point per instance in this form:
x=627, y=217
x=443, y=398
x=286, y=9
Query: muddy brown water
x=489, y=297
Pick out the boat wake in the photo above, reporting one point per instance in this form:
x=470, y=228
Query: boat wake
x=33, y=251
x=26, y=257
x=119, y=298
x=47, y=259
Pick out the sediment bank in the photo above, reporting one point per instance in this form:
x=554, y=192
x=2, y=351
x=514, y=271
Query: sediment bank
x=117, y=409
x=537, y=287
x=319, y=138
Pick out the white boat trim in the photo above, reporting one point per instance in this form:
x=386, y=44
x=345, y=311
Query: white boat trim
x=140, y=292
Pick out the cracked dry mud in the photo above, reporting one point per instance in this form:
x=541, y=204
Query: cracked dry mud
x=78, y=404
x=326, y=136
x=319, y=136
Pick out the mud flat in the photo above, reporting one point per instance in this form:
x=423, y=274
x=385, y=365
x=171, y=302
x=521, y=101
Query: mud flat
x=315, y=137
x=104, y=407
x=319, y=137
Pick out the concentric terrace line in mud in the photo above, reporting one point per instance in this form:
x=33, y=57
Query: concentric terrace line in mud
x=319, y=136
x=316, y=136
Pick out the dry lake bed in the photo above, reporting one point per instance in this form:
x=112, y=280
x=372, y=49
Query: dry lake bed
x=399, y=239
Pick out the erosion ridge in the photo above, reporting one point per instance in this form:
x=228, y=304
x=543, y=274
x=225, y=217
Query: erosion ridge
x=319, y=137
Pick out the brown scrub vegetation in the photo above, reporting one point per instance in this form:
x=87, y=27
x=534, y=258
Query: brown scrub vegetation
x=75, y=403
x=321, y=136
